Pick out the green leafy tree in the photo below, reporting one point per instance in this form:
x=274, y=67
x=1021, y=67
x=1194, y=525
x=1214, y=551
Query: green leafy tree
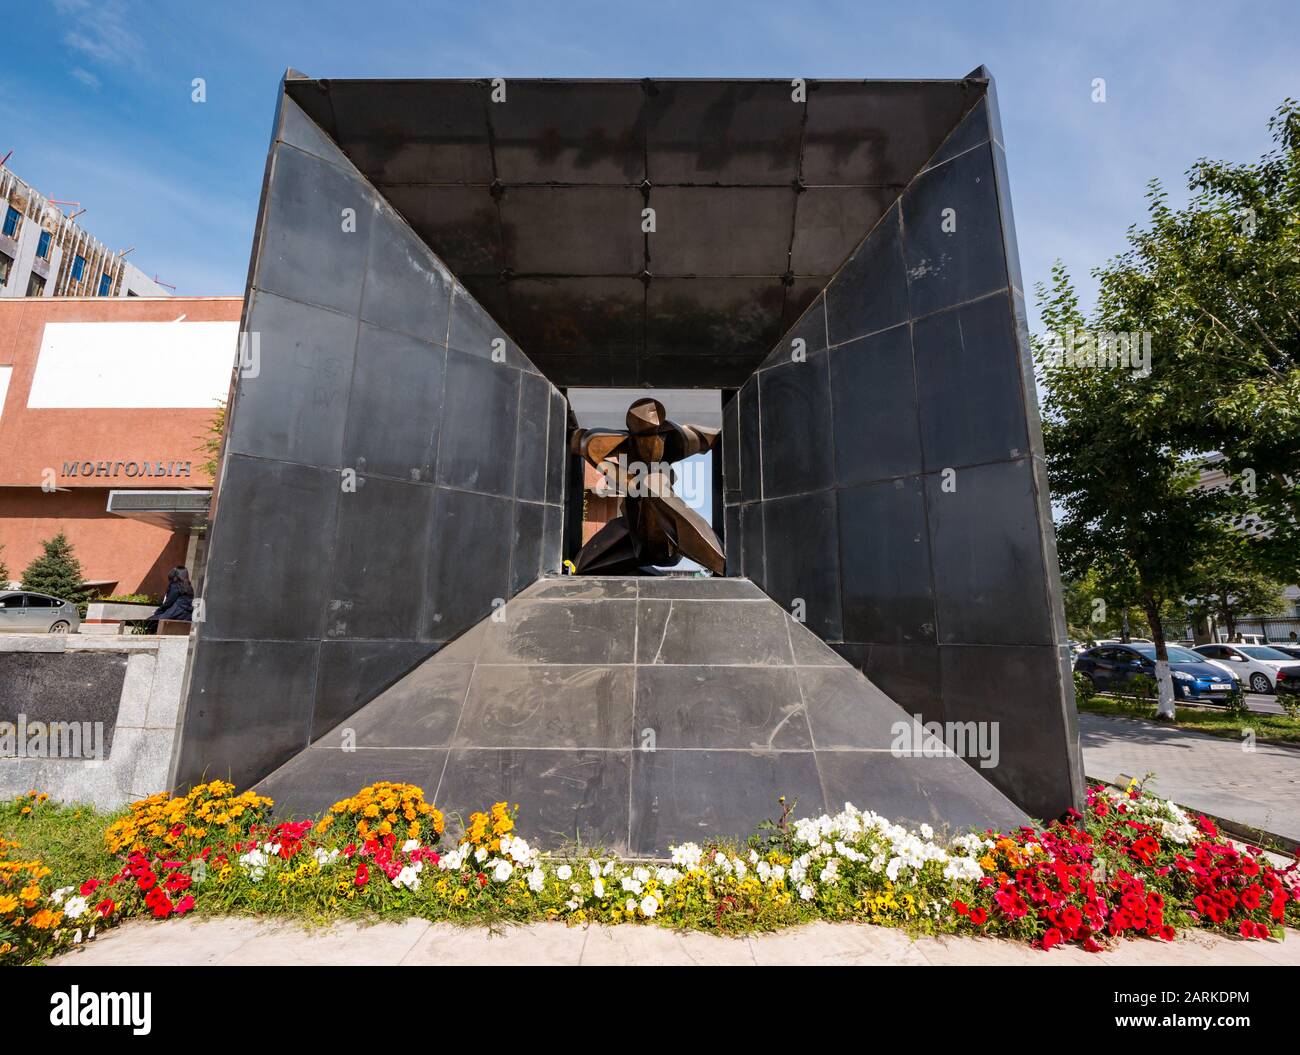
x=212, y=439
x=4, y=568
x=1230, y=587
x=57, y=572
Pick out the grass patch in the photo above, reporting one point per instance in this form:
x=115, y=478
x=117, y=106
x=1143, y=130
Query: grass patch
x=68, y=839
x=1268, y=728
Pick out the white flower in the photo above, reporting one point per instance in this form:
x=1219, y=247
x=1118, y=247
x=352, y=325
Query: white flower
x=324, y=857
x=630, y=905
x=74, y=908
x=806, y=892
x=503, y=871
x=593, y=869
x=408, y=877
x=409, y=845
x=598, y=887
x=536, y=880
x=641, y=875
x=564, y=873
x=649, y=906
x=631, y=885
x=927, y=832
x=687, y=856
x=480, y=855
x=58, y=895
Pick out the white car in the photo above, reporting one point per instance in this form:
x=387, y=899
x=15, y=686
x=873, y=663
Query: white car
x=1255, y=665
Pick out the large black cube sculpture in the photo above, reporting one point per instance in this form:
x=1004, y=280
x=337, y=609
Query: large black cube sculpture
x=838, y=256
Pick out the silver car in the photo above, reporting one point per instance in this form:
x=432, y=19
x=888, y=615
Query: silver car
x=22, y=612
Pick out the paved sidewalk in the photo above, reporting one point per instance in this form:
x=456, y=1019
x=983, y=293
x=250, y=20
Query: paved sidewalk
x=243, y=941
x=1212, y=774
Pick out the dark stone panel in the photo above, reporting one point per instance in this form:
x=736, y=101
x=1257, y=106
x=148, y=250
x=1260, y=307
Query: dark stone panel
x=552, y=539
x=712, y=589
x=731, y=450
x=885, y=586
x=557, y=132
x=294, y=404
x=810, y=650
x=753, y=559
x=1029, y=385
x=831, y=222
x=870, y=291
x=988, y=562
x=695, y=796
x=702, y=632
x=526, y=554
x=584, y=318
x=721, y=231
x=249, y=709
x=941, y=791
x=421, y=710
x=796, y=425
x=1019, y=689
x=269, y=565
x=550, y=706
x=908, y=674
x=548, y=230
x=310, y=783
x=731, y=541
x=476, y=450
x=460, y=592
x=475, y=332
x=380, y=554
x=879, y=132
x=951, y=267
x=591, y=632
x=809, y=328
x=1009, y=241
x=722, y=132
x=557, y=448
x=353, y=672
x=459, y=223
x=72, y=687
x=968, y=385
x=802, y=559
x=406, y=131
x=531, y=437
x=406, y=288
x=973, y=130
x=846, y=711
x=753, y=708
x=564, y=795
x=299, y=130
x=750, y=446
x=873, y=398
x=305, y=253
x=395, y=406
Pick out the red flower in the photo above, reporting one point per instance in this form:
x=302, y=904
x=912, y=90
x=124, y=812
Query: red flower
x=978, y=916
x=363, y=874
x=89, y=887
x=105, y=907
x=184, y=904
x=960, y=907
x=146, y=880
x=1052, y=937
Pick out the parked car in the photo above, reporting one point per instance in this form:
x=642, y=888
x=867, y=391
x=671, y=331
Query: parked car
x=1110, y=667
x=1255, y=665
x=1288, y=680
x=1291, y=650
x=23, y=612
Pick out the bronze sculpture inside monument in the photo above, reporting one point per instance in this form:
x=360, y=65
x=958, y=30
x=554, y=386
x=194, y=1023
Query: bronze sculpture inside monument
x=654, y=527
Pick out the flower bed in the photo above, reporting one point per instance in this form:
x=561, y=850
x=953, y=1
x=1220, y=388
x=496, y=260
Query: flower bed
x=1130, y=865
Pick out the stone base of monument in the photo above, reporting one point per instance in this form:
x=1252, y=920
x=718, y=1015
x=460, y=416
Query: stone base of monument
x=634, y=713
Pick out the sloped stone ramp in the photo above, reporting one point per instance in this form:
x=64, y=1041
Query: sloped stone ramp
x=633, y=713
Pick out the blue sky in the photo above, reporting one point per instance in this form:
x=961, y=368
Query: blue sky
x=95, y=103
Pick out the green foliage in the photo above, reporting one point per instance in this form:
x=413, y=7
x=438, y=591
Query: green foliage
x=1083, y=689
x=211, y=440
x=57, y=572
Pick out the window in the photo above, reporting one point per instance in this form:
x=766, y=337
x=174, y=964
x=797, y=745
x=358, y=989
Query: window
x=78, y=268
x=105, y=285
x=11, y=222
x=13, y=600
x=35, y=600
x=43, y=246
x=6, y=265
x=35, y=285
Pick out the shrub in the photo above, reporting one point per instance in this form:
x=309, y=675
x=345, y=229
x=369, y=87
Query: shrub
x=1083, y=688
x=57, y=572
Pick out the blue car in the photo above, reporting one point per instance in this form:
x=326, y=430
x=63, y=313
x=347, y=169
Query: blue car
x=1109, y=667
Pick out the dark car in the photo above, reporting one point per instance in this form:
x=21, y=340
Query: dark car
x=1110, y=667
x=1288, y=679
x=1291, y=650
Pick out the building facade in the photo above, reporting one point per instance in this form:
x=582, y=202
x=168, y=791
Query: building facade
x=104, y=408
x=44, y=253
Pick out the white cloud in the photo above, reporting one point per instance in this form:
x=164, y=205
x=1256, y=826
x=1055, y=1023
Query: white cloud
x=85, y=77
x=101, y=30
